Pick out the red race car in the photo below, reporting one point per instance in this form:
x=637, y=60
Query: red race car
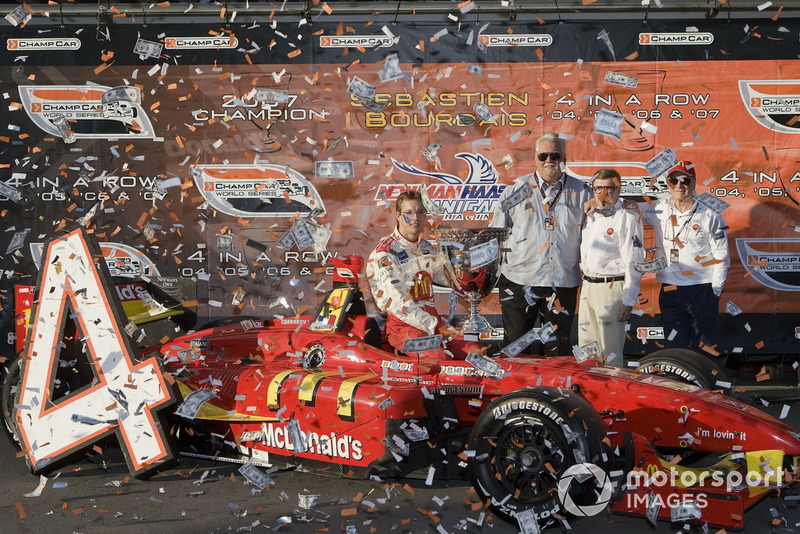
x=539, y=438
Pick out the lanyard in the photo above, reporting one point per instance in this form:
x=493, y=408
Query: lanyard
x=683, y=226
x=552, y=203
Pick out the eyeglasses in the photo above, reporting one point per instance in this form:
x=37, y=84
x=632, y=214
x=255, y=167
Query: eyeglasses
x=409, y=214
x=555, y=156
x=684, y=179
x=600, y=188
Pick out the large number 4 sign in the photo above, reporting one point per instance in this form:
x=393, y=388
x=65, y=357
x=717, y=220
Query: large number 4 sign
x=123, y=397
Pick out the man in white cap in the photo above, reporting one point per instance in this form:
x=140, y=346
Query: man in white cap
x=695, y=244
x=611, y=243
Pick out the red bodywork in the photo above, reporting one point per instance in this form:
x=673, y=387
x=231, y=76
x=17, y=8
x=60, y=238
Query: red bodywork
x=356, y=407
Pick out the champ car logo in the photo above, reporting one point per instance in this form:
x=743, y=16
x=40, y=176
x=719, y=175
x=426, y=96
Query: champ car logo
x=684, y=38
x=517, y=39
x=257, y=190
x=353, y=41
x=82, y=106
x=207, y=41
x=774, y=263
x=774, y=104
x=122, y=260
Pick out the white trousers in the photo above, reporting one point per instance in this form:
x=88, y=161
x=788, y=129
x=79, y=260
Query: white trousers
x=597, y=319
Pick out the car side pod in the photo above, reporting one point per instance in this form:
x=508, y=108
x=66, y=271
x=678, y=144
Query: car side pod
x=716, y=492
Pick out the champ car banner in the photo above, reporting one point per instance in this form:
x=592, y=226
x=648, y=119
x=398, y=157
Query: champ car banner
x=202, y=155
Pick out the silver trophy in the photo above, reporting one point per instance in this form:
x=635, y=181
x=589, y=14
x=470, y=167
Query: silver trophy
x=473, y=264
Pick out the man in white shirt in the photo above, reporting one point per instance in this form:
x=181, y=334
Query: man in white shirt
x=540, y=274
x=695, y=245
x=611, y=243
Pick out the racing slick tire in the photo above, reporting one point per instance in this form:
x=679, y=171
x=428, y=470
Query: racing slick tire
x=524, y=442
x=11, y=376
x=686, y=366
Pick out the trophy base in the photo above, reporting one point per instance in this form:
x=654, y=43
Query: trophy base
x=475, y=324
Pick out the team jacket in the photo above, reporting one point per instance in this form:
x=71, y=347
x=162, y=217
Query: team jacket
x=401, y=275
x=702, y=244
x=610, y=246
x=537, y=256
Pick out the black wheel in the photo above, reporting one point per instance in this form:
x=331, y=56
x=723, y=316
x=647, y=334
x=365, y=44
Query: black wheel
x=11, y=374
x=524, y=442
x=686, y=366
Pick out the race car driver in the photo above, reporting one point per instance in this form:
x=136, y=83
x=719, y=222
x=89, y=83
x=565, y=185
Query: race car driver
x=401, y=272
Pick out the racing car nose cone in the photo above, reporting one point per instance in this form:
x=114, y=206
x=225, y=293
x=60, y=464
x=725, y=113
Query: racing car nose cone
x=530, y=458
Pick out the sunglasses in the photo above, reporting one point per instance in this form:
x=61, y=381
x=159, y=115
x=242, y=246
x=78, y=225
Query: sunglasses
x=555, y=156
x=683, y=179
x=600, y=188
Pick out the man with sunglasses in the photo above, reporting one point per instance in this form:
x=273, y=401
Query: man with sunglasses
x=401, y=272
x=540, y=273
x=612, y=242
x=695, y=244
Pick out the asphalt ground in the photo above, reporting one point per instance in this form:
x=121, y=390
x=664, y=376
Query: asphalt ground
x=96, y=494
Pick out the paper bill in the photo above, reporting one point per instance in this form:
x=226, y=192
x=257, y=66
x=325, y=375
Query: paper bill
x=391, y=69
x=520, y=344
x=126, y=93
x=587, y=351
x=517, y=196
x=484, y=112
x=430, y=206
x=416, y=433
x=18, y=16
x=385, y=404
x=361, y=89
x=485, y=364
x=481, y=44
x=421, y=344
x=650, y=266
x=684, y=511
x=334, y=169
x=238, y=297
x=474, y=69
x=147, y=49
x=252, y=435
x=320, y=234
x=287, y=240
x=17, y=240
x=431, y=152
x=527, y=522
x=302, y=234
x=661, y=163
x=617, y=78
x=254, y=475
x=307, y=500
x=64, y=128
x=225, y=242
x=270, y=96
x=87, y=420
x=452, y=300
x=546, y=333
x=38, y=491
x=713, y=203
x=484, y=254
x=192, y=403
x=466, y=119
x=607, y=122
x=732, y=309
x=293, y=428
x=371, y=105
x=11, y=193
x=653, y=507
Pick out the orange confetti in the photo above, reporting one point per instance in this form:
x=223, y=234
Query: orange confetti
x=294, y=53
x=20, y=510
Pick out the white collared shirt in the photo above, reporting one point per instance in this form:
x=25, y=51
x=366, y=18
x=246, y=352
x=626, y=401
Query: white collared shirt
x=537, y=256
x=704, y=257
x=609, y=247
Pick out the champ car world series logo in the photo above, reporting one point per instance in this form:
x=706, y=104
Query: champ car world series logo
x=774, y=104
x=83, y=109
x=774, y=262
x=257, y=190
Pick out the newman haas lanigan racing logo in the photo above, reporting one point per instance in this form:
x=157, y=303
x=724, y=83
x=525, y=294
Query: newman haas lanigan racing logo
x=471, y=199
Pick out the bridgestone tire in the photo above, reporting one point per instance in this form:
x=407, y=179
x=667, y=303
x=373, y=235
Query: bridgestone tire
x=686, y=366
x=524, y=441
